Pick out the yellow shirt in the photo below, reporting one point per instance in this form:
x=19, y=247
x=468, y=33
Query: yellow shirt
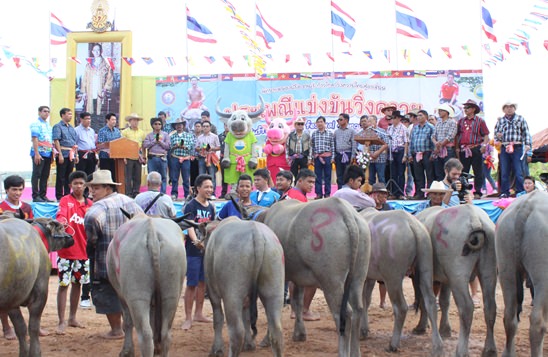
x=135, y=135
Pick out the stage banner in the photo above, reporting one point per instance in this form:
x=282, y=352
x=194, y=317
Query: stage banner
x=313, y=94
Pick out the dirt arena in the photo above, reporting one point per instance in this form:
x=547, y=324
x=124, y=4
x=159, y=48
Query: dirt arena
x=322, y=338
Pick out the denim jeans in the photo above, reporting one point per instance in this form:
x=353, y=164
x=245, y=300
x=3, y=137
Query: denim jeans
x=397, y=169
x=508, y=163
x=210, y=170
x=323, y=173
x=376, y=171
x=178, y=169
x=159, y=165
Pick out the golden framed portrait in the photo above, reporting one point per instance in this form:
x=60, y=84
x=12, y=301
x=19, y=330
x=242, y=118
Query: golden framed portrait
x=98, y=80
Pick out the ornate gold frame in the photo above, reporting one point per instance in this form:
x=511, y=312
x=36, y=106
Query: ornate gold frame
x=73, y=39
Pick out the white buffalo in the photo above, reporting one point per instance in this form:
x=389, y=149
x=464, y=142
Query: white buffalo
x=522, y=245
x=146, y=264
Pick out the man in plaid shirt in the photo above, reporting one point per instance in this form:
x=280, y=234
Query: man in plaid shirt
x=101, y=221
x=444, y=140
x=420, y=150
x=399, y=143
x=513, y=132
x=323, y=151
x=377, y=165
x=182, y=151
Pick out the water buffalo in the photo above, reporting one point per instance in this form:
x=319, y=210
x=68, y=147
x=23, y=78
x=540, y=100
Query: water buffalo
x=24, y=273
x=521, y=245
x=146, y=264
x=326, y=244
x=463, y=240
x=399, y=241
x=258, y=270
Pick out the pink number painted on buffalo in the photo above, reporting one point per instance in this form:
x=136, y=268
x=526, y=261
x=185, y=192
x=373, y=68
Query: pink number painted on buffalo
x=317, y=244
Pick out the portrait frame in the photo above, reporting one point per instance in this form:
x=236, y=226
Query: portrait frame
x=122, y=80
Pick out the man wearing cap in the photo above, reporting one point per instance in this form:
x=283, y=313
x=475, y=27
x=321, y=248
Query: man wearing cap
x=385, y=121
x=512, y=132
x=472, y=138
x=449, y=90
x=101, y=222
x=379, y=193
x=298, y=147
x=157, y=143
x=420, y=151
x=444, y=139
x=345, y=146
x=133, y=167
x=105, y=135
x=398, y=154
x=182, y=150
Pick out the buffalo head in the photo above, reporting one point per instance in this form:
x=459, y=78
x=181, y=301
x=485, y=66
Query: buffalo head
x=54, y=232
x=240, y=122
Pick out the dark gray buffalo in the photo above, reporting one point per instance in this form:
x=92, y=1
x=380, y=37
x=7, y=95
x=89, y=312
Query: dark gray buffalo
x=244, y=260
x=463, y=239
x=24, y=273
x=146, y=264
x=327, y=244
x=398, y=242
x=522, y=245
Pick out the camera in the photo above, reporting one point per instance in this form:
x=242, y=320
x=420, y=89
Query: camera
x=464, y=186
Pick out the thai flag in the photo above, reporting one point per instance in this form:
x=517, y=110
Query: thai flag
x=196, y=31
x=342, y=24
x=487, y=23
x=265, y=31
x=408, y=24
x=58, y=31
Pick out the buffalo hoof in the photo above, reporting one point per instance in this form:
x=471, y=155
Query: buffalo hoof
x=265, y=342
x=489, y=353
x=391, y=349
x=299, y=337
x=364, y=333
x=419, y=331
x=216, y=353
x=249, y=346
x=445, y=332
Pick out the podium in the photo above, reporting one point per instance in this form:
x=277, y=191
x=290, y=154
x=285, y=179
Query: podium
x=121, y=149
x=369, y=138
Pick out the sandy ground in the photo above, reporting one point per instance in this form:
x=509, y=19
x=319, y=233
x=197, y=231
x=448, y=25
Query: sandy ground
x=322, y=337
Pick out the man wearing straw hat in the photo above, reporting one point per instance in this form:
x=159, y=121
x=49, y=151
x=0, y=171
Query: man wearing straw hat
x=444, y=139
x=101, y=221
x=133, y=167
x=435, y=195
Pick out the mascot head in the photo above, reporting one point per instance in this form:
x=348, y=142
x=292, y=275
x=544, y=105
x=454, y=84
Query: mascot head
x=278, y=129
x=239, y=122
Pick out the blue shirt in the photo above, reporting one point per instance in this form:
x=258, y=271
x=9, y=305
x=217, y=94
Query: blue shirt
x=426, y=204
x=267, y=199
x=421, y=138
x=106, y=135
x=86, y=137
x=42, y=131
x=66, y=135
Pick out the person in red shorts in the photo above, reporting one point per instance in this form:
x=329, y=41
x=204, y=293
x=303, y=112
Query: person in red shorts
x=72, y=262
x=14, y=186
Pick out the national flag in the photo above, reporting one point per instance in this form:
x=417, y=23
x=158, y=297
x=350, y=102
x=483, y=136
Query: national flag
x=330, y=55
x=321, y=75
x=427, y=52
x=209, y=59
x=408, y=74
x=387, y=55
x=308, y=58
x=526, y=45
x=148, y=60
x=196, y=31
x=340, y=75
x=58, y=31
x=170, y=61
x=226, y=77
x=487, y=23
x=447, y=52
x=306, y=75
x=263, y=29
x=287, y=58
x=386, y=73
x=129, y=60
x=228, y=61
x=75, y=59
x=407, y=24
x=431, y=74
x=342, y=24
x=111, y=63
x=420, y=74
x=368, y=54
x=294, y=76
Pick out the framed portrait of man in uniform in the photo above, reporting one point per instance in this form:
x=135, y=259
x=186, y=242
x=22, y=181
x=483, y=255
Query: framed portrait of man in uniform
x=98, y=80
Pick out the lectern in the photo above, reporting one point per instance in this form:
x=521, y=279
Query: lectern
x=121, y=149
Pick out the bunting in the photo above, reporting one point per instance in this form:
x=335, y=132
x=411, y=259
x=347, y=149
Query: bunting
x=387, y=55
x=308, y=58
x=368, y=54
x=427, y=52
x=447, y=52
x=148, y=60
x=342, y=24
x=209, y=59
x=228, y=61
x=287, y=58
x=111, y=63
x=17, y=62
x=407, y=24
x=129, y=60
x=330, y=56
x=170, y=61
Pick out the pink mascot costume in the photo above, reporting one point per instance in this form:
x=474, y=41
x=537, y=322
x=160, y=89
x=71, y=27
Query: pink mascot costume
x=277, y=131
